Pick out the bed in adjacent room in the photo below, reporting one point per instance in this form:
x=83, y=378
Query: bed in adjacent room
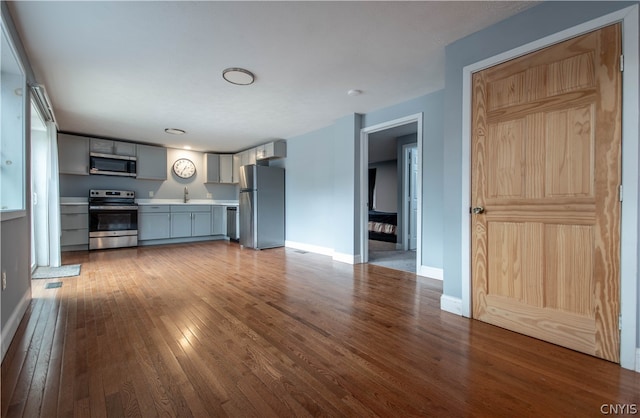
x=383, y=226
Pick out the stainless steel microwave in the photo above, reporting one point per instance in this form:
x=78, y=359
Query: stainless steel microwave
x=112, y=165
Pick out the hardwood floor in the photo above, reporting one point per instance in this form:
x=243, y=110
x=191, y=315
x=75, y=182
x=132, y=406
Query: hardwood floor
x=211, y=330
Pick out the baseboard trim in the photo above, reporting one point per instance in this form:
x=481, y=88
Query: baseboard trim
x=451, y=304
x=431, y=272
x=638, y=359
x=346, y=258
x=341, y=257
x=309, y=247
x=10, y=328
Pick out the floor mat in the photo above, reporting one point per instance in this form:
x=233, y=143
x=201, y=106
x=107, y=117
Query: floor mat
x=43, y=272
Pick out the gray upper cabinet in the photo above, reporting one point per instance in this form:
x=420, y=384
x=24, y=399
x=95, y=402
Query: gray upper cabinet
x=226, y=168
x=219, y=168
x=264, y=152
x=270, y=150
x=107, y=146
x=212, y=168
x=236, y=168
x=124, y=148
x=73, y=154
x=152, y=162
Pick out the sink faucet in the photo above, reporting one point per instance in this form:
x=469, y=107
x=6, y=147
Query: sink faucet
x=186, y=194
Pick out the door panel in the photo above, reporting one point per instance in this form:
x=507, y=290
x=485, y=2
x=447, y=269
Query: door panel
x=413, y=192
x=546, y=151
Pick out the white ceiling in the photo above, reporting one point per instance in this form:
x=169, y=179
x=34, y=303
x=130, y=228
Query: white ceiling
x=129, y=70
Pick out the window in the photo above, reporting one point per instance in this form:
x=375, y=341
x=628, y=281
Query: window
x=12, y=136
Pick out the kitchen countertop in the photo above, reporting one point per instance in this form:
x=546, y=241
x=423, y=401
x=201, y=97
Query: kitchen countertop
x=69, y=201
x=190, y=202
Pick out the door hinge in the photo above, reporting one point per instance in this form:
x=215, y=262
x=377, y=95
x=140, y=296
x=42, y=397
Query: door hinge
x=620, y=192
x=621, y=63
x=620, y=322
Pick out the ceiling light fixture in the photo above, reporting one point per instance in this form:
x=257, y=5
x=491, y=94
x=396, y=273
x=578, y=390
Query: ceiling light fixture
x=186, y=147
x=175, y=131
x=238, y=76
x=354, y=92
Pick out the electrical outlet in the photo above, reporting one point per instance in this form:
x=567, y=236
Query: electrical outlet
x=150, y=193
x=209, y=195
x=4, y=280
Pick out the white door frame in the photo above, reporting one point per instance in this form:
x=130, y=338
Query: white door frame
x=630, y=163
x=364, y=182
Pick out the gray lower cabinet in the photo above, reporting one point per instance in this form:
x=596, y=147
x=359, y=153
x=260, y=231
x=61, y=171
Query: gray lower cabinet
x=74, y=225
x=161, y=222
x=201, y=223
x=181, y=225
x=190, y=221
x=154, y=222
x=218, y=220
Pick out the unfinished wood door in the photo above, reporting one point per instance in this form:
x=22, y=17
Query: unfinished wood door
x=546, y=151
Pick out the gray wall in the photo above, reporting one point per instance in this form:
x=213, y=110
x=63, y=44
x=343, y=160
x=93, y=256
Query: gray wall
x=15, y=247
x=15, y=234
x=387, y=185
x=172, y=188
x=431, y=105
x=321, y=201
x=309, y=188
x=346, y=227
x=323, y=180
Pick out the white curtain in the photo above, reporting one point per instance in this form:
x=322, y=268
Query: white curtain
x=53, y=191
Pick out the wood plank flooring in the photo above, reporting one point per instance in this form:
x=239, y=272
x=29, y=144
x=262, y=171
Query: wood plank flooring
x=212, y=330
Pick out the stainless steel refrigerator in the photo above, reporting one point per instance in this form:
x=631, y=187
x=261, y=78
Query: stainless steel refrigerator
x=261, y=206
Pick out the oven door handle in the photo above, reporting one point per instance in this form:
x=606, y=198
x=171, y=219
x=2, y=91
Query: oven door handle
x=127, y=207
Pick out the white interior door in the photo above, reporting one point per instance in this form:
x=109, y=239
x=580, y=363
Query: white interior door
x=413, y=196
x=410, y=197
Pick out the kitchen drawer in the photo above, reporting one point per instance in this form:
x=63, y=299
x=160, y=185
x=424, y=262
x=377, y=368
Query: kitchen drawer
x=190, y=208
x=74, y=221
x=64, y=209
x=154, y=208
x=75, y=237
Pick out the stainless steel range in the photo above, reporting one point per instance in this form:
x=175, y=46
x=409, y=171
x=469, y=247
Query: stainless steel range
x=113, y=219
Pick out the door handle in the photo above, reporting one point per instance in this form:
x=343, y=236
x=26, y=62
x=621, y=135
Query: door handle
x=477, y=210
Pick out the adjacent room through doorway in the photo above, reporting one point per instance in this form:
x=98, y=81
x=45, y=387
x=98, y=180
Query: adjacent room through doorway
x=392, y=197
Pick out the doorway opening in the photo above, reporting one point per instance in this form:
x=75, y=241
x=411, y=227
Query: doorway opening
x=390, y=194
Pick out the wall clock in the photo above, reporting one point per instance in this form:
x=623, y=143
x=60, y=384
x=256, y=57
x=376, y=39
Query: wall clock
x=184, y=168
